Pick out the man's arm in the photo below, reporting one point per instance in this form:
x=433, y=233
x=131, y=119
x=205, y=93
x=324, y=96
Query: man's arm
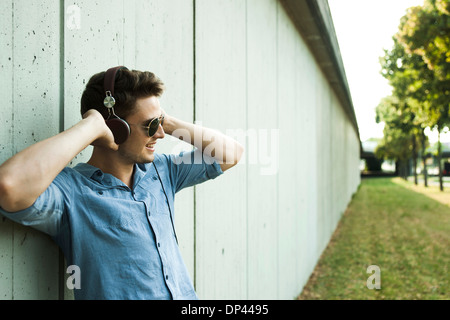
x=25, y=176
x=225, y=150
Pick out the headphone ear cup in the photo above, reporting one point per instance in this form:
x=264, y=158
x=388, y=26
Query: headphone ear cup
x=120, y=129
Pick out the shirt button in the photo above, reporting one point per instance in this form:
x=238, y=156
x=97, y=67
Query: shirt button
x=167, y=277
x=159, y=245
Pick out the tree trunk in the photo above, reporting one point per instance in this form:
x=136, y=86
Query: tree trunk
x=404, y=170
x=439, y=157
x=424, y=159
x=414, y=158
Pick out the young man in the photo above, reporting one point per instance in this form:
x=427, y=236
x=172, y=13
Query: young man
x=113, y=216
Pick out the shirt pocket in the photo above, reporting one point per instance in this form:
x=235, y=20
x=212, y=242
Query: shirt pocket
x=156, y=200
x=111, y=208
x=162, y=206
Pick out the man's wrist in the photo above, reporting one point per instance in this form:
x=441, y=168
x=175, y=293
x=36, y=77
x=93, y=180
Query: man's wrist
x=94, y=122
x=169, y=124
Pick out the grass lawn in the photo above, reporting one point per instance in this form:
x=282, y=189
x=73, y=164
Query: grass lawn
x=390, y=223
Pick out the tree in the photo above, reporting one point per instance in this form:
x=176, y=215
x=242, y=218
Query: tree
x=417, y=68
x=425, y=32
x=407, y=74
x=401, y=133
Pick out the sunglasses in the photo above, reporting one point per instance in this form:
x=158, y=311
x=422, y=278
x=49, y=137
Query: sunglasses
x=153, y=126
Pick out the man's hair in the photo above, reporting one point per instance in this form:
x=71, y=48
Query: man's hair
x=129, y=86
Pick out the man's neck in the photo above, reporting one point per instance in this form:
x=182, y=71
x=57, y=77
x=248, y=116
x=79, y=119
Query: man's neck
x=109, y=162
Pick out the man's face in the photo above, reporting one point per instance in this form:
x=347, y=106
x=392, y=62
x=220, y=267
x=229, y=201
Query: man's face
x=139, y=147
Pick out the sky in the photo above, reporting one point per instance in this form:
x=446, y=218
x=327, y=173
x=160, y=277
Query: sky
x=364, y=28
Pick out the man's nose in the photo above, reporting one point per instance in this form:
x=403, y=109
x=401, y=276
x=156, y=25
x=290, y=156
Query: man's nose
x=160, y=134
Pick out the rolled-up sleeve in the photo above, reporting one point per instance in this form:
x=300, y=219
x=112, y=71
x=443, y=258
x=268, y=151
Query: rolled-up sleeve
x=191, y=168
x=46, y=212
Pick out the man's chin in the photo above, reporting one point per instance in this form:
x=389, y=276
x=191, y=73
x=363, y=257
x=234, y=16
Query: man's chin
x=147, y=159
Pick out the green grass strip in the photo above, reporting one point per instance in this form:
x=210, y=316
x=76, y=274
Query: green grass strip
x=403, y=232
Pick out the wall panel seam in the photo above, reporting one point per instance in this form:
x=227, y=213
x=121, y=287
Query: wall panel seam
x=61, y=259
x=194, y=88
x=278, y=126
x=13, y=148
x=61, y=66
x=246, y=171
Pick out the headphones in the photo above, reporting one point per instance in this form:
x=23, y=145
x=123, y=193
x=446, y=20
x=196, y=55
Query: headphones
x=119, y=127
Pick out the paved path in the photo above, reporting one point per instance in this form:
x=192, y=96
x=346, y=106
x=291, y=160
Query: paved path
x=432, y=181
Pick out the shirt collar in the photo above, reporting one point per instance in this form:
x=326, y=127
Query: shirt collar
x=88, y=171
x=140, y=170
x=94, y=173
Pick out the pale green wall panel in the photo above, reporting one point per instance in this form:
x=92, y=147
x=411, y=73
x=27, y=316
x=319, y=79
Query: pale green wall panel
x=221, y=101
x=6, y=143
x=32, y=114
x=262, y=145
x=289, y=127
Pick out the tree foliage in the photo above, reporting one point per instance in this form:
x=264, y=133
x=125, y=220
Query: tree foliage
x=418, y=69
x=425, y=32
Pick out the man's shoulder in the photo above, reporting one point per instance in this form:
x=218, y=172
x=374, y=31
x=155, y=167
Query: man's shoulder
x=174, y=160
x=162, y=159
x=77, y=173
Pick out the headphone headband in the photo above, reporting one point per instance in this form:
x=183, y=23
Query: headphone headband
x=108, y=86
x=110, y=78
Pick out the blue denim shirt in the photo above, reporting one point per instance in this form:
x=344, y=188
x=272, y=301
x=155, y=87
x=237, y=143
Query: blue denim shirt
x=122, y=239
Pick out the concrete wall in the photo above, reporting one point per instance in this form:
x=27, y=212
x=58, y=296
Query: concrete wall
x=239, y=66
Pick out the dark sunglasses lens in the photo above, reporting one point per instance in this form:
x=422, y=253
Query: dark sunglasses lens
x=153, y=127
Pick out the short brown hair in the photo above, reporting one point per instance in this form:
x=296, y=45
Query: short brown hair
x=129, y=86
